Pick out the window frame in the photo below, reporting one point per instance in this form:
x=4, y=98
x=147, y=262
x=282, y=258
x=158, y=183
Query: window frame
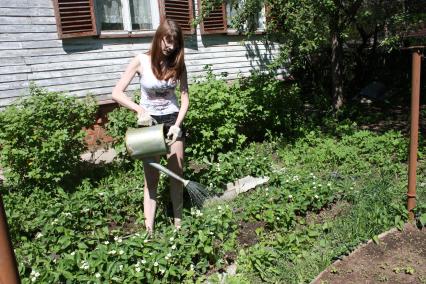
x=180, y=10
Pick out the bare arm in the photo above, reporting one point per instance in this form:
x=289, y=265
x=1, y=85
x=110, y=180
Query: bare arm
x=118, y=92
x=184, y=98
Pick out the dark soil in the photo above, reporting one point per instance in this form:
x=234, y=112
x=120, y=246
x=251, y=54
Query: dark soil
x=247, y=233
x=399, y=257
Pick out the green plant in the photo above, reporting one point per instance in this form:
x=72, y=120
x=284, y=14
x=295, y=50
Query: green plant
x=41, y=137
x=214, y=118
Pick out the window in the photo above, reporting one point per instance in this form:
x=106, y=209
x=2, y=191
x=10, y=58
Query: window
x=77, y=18
x=128, y=15
x=220, y=19
x=258, y=22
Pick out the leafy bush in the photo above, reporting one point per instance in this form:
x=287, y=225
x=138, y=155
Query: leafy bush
x=119, y=120
x=224, y=116
x=41, y=137
x=274, y=106
x=215, y=117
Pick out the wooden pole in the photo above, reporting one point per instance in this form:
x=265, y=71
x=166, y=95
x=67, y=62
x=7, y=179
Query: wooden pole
x=414, y=132
x=8, y=270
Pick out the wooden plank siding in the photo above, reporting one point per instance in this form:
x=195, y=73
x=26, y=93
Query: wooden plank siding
x=30, y=50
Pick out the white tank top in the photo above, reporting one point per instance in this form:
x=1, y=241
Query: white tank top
x=158, y=97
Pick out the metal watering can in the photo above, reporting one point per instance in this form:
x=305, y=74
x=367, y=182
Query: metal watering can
x=146, y=142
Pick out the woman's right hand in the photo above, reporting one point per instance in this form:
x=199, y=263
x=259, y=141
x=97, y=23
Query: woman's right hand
x=144, y=119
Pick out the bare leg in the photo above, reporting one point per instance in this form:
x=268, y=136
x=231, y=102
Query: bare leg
x=175, y=164
x=150, y=195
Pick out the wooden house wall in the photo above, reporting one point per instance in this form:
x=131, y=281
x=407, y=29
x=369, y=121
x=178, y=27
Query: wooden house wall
x=30, y=51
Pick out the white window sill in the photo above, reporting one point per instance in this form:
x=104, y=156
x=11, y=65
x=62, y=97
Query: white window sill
x=126, y=34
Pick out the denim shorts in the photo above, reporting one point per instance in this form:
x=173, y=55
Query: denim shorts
x=169, y=120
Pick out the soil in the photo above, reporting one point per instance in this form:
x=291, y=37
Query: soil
x=247, y=233
x=399, y=257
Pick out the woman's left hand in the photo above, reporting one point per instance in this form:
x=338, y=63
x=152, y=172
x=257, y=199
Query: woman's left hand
x=174, y=133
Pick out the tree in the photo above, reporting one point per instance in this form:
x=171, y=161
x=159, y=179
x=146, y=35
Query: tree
x=307, y=27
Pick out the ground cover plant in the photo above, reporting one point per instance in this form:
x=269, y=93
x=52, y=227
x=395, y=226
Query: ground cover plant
x=95, y=234
x=327, y=193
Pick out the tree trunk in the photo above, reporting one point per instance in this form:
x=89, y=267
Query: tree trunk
x=337, y=69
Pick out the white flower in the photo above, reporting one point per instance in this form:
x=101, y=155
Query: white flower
x=290, y=196
x=145, y=241
x=84, y=210
x=137, y=235
x=172, y=239
x=162, y=271
x=143, y=261
x=72, y=253
x=314, y=183
x=138, y=269
x=112, y=252
x=84, y=265
x=68, y=214
x=121, y=252
x=192, y=267
x=155, y=263
x=97, y=275
x=39, y=235
x=118, y=239
x=329, y=184
x=198, y=213
x=286, y=180
x=120, y=267
x=106, y=242
x=173, y=246
x=54, y=222
x=266, y=189
x=101, y=193
x=316, y=196
x=34, y=273
x=315, y=187
x=278, y=218
x=168, y=256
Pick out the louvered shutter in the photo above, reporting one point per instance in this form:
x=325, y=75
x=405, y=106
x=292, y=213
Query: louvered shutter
x=180, y=11
x=75, y=18
x=215, y=23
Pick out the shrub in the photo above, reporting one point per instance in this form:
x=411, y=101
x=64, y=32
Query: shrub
x=274, y=106
x=119, y=120
x=41, y=137
x=215, y=117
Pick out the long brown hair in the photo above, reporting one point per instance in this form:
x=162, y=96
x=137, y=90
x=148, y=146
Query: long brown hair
x=173, y=64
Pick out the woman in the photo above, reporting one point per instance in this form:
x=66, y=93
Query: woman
x=160, y=69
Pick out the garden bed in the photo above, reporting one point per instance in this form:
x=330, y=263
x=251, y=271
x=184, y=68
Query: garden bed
x=398, y=257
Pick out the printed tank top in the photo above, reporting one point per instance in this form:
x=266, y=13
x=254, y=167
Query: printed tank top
x=158, y=97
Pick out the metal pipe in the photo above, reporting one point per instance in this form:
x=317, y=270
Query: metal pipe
x=8, y=268
x=414, y=132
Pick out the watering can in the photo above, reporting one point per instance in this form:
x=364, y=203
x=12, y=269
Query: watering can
x=146, y=142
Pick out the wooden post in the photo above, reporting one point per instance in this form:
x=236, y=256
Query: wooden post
x=8, y=270
x=414, y=132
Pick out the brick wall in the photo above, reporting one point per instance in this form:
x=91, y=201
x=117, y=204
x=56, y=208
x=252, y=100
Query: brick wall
x=96, y=136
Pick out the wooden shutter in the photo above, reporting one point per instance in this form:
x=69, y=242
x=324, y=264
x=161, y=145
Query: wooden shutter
x=180, y=11
x=215, y=22
x=75, y=18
